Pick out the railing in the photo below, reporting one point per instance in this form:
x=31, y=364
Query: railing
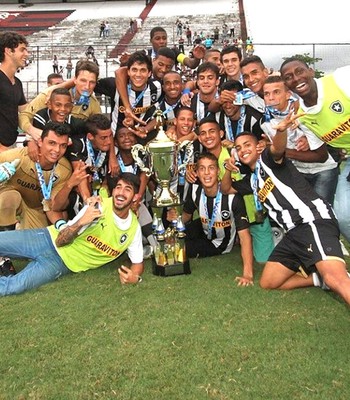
x=332, y=55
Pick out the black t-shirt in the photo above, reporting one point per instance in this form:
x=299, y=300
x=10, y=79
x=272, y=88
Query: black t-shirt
x=11, y=96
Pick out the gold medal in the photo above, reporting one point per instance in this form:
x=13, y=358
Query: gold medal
x=47, y=204
x=122, y=109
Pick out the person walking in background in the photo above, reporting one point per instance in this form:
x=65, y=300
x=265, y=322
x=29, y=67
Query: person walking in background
x=131, y=25
x=69, y=68
x=107, y=29
x=102, y=29
x=55, y=64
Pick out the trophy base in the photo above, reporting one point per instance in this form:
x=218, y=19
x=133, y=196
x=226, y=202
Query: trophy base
x=171, y=270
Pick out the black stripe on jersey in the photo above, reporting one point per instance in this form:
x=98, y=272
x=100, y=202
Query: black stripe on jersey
x=288, y=196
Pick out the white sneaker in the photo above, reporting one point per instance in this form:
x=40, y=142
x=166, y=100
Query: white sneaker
x=147, y=252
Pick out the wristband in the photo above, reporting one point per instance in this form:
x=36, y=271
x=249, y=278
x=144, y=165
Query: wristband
x=60, y=224
x=186, y=91
x=139, y=279
x=181, y=58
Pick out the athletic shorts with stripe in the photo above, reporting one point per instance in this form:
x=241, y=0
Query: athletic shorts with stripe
x=307, y=244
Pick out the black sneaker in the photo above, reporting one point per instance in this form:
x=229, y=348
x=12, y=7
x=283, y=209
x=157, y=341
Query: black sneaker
x=7, y=268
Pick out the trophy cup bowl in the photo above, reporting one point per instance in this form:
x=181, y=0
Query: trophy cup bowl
x=160, y=157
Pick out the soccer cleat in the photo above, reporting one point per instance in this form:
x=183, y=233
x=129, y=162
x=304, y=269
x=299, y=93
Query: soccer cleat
x=7, y=268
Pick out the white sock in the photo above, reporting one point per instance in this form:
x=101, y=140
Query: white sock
x=316, y=280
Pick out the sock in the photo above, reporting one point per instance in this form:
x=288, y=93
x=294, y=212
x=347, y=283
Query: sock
x=316, y=280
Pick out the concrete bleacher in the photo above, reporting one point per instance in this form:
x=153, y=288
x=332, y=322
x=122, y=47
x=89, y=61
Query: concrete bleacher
x=71, y=36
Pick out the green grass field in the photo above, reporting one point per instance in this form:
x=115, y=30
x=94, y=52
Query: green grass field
x=185, y=337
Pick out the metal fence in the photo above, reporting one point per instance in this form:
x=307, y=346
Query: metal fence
x=331, y=55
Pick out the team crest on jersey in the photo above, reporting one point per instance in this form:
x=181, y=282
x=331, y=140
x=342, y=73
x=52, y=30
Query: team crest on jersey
x=225, y=214
x=123, y=238
x=154, y=97
x=337, y=107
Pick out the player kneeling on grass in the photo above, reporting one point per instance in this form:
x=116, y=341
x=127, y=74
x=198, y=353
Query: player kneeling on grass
x=221, y=218
x=99, y=234
x=310, y=252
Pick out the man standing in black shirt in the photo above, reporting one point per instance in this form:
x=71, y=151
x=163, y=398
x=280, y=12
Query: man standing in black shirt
x=13, y=55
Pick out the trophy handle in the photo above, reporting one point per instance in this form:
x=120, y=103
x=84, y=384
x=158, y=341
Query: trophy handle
x=135, y=151
x=187, y=144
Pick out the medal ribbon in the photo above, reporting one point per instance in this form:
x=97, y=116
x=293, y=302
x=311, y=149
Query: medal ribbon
x=254, y=184
x=123, y=167
x=97, y=162
x=217, y=202
x=45, y=189
x=138, y=98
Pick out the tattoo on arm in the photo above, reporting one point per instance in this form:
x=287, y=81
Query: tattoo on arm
x=67, y=235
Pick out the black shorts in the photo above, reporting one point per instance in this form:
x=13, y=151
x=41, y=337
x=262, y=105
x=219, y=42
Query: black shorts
x=307, y=244
x=197, y=244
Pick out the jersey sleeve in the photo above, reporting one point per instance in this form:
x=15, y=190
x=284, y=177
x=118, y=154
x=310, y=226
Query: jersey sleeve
x=135, y=250
x=239, y=213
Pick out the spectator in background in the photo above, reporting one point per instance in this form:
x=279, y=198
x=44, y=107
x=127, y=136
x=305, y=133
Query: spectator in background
x=181, y=44
x=55, y=64
x=189, y=36
x=216, y=34
x=69, y=68
x=13, y=55
x=102, y=29
x=54, y=79
x=131, y=25
x=107, y=29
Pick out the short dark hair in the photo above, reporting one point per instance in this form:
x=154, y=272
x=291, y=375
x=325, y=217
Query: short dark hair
x=127, y=177
x=208, y=156
x=166, y=52
x=250, y=60
x=10, y=40
x=97, y=122
x=247, y=133
x=57, y=127
x=172, y=72
x=231, y=49
x=208, y=66
x=292, y=59
x=178, y=110
x=86, y=65
x=60, y=91
x=141, y=58
x=232, y=85
x=210, y=51
x=53, y=76
x=208, y=119
x=157, y=29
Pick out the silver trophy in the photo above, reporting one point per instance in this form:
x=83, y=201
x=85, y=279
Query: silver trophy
x=163, y=158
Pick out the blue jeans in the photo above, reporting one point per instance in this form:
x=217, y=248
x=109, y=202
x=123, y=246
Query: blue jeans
x=324, y=183
x=342, y=201
x=45, y=265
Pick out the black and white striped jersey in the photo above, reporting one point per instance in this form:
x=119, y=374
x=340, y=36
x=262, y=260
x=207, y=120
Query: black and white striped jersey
x=230, y=215
x=282, y=189
x=140, y=102
x=200, y=109
x=250, y=121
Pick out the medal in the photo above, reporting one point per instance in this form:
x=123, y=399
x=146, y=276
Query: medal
x=45, y=188
x=47, y=204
